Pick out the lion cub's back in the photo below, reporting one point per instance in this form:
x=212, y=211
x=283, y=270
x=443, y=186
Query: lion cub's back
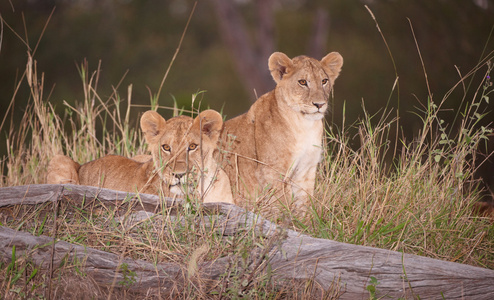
x=114, y=172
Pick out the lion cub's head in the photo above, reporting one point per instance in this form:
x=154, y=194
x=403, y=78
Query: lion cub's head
x=305, y=83
x=182, y=149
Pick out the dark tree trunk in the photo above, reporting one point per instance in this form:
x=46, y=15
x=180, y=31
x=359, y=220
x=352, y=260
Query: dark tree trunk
x=250, y=64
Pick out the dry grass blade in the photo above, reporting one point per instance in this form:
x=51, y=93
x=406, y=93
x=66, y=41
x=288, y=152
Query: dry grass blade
x=176, y=51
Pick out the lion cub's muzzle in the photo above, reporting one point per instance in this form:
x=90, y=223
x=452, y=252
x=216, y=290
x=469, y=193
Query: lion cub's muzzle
x=315, y=110
x=318, y=104
x=321, y=107
x=176, y=183
x=181, y=177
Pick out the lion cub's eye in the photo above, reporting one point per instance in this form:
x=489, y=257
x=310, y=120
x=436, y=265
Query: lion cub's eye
x=324, y=81
x=166, y=147
x=192, y=147
x=302, y=82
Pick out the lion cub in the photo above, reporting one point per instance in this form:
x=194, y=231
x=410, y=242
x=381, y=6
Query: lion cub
x=277, y=143
x=182, y=157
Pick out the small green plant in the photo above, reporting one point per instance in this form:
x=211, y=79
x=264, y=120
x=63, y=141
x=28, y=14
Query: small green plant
x=16, y=271
x=372, y=288
x=12, y=271
x=130, y=276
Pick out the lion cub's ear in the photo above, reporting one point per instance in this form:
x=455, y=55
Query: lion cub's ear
x=332, y=63
x=211, y=122
x=152, y=125
x=279, y=65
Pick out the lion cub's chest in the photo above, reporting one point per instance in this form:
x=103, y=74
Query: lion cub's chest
x=306, y=151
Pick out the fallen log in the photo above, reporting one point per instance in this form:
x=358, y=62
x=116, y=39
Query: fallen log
x=298, y=257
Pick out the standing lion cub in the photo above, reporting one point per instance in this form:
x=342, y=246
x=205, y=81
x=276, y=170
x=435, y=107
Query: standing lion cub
x=182, y=160
x=277, y=144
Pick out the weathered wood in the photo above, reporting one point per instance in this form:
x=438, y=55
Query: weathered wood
x=299, y=257
x=400, y=275
x=104, y=267
x=41, y=193
x=231, y=216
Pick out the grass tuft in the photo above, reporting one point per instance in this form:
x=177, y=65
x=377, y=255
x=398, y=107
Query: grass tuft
x=418, y=200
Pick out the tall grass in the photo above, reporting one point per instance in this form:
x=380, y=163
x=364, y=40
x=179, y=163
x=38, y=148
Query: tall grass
x=418, y=200
x=93, y=128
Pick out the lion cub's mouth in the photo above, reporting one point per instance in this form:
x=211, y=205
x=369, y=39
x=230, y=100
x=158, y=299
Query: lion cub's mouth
x=178, y=186
x=314, y=112
x=314, y=115
x=176, y=189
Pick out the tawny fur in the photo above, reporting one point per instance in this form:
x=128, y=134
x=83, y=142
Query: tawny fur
x=121, y=173
x=63, y=170
x=277, y=143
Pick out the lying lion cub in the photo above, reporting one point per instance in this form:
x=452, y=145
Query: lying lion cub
x=180, y=149
x=278, y=142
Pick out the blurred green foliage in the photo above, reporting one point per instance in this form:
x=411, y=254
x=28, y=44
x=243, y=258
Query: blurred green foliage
x=135, y=41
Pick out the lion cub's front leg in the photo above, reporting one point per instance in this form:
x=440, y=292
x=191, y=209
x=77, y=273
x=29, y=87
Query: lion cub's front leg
x=62, y=170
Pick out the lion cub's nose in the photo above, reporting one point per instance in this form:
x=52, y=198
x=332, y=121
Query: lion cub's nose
x=318, y=105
